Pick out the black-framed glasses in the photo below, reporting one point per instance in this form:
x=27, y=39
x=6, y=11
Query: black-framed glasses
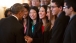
x=53, y=6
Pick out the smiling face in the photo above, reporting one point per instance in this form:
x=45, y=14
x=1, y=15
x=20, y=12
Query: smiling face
x=26, y=13
x=67, y=10
x=33, y=14
x=35, y=3
x=54, y=8
x=21, y=14
x=42, y=13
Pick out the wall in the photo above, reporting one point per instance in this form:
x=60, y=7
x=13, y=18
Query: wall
x=8, y=4
x=1, y=12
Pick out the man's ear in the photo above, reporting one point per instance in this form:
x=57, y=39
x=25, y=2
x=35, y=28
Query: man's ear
x=71, y=9
x=19, y=13
x=61, y=8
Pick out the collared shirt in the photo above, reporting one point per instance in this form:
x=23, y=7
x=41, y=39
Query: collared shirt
x=58, y=15
x=15, y=17
x=33, y=27
x=71, y=18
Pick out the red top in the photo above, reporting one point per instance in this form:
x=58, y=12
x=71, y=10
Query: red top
x=42, y=29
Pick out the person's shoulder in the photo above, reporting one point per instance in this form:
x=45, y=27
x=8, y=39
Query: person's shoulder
x=62, y=14
x=2, y=19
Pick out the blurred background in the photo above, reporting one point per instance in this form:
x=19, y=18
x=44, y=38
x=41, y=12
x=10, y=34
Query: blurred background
x=4, y=4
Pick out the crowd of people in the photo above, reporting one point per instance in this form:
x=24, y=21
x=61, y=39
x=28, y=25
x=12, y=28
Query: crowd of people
x=40, y=21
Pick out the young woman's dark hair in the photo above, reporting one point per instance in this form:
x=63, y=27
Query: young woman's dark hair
x=26, y=6
x=30, y=20
x=36, y=34
x=37, y=10
x=45, y=7
x=41, y=25
x=24, y=20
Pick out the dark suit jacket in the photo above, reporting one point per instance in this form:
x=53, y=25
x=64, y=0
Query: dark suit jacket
x=59, y=28
x=11, y=31
x=70, y=32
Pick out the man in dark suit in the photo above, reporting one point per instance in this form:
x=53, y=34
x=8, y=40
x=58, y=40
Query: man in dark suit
x=60, y=23
x=11, y=31
x=70, y=32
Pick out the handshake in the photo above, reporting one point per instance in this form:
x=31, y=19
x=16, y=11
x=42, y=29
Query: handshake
x=28, y=39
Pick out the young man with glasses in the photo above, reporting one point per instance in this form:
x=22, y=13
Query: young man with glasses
x=60, y=23
x=70, y=32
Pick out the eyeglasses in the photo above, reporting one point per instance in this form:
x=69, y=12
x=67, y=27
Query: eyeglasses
x=53, y=6
x=65, y=7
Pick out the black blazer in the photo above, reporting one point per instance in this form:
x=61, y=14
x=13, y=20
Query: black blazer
x=70, y=32
x=59, y=28
x=47, y=33
x=36, y=35
x=47, y=36
x=11, y=31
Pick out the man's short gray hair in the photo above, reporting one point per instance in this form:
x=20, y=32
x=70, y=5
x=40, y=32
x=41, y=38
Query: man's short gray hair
x=16, y=8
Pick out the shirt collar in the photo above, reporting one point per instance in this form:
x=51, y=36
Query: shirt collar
x=15, y=17
x=71, y=18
